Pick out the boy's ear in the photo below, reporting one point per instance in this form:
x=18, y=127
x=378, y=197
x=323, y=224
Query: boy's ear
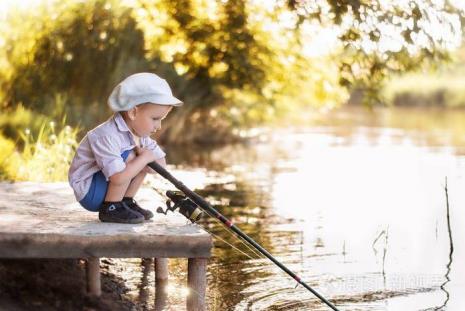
x=132, y=113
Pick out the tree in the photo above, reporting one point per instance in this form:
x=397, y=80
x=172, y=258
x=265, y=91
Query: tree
x=235, y=63
x=380, y=38
x=229, y=67
x=79, y=51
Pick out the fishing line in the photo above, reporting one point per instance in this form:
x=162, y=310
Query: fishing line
x=234, y=234
x=191, y=201
x=244, y=242
x=218, y=237
x=258, y=255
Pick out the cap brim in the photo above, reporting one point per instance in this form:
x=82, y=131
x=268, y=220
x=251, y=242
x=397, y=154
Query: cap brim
x=165, y=100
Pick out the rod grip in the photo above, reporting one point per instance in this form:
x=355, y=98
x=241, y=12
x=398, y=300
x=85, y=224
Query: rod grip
x=159, y=169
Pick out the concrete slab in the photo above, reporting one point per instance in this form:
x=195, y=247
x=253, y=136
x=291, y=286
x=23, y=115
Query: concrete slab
x=43, y=220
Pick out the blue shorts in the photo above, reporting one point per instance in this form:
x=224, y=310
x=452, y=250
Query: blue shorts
x=98, y=189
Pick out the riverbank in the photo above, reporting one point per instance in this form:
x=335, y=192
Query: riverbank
x=443, y=89
x=58, y=284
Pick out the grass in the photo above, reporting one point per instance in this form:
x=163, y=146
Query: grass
x=45, y=157
x=442, y=88
x=13, y=121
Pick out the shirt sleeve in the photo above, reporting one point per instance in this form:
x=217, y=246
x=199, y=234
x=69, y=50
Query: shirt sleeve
x=151, y=144
x=107, y=155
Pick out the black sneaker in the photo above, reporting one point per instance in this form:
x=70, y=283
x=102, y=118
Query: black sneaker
x=132, y=204
x=119, y=212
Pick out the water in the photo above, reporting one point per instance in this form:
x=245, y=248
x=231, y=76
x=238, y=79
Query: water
x=355, y=204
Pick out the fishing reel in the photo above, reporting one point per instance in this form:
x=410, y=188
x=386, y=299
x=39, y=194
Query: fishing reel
x=186, y=206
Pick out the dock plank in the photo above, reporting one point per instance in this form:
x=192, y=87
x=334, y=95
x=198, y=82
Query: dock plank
x=43, y=220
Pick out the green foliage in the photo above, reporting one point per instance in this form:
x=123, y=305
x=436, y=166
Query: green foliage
x=235, y=63
x=229, y=68
x=8, y=148
x=380, y=38
x=208, y=51
x=20, y=118
x=420, y=89
x=429, y=88
x=81, y=49
x=34, y=147
x=45, y=157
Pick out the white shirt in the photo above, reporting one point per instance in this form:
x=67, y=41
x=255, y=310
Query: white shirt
x=101, y=149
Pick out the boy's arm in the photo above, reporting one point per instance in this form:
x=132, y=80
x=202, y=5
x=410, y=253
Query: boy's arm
x=159, y=153
x=161, y=161
x=133, y=167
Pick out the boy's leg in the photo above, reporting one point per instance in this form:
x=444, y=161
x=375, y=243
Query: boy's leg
x=131, y=191
x=113, y=209
x=135, y=184
x=116, y=192
x=125, y=192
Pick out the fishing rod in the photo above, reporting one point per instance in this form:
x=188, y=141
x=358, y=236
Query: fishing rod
x=189, y=211
x=193, y=213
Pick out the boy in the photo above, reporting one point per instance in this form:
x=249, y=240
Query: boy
x=110, y=163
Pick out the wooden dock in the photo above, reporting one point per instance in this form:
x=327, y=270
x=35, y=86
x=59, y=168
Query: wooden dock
x=43, y=220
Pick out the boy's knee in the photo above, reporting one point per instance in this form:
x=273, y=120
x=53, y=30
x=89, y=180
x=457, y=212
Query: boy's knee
x=118, y=182
x=142, y=173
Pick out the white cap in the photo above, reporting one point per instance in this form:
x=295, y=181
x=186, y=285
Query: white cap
x=141, y=88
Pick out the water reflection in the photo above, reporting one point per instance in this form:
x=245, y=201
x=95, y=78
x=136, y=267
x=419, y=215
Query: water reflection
x=144, y=289
x=451, y=251
x=354, y=206
x=161, y=295
x=382, y=237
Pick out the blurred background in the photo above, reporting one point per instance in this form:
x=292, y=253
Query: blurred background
x=329, y=130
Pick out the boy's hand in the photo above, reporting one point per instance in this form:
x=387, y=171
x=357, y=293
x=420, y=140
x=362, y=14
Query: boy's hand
x=148, y=170
x=161, y=161
x=147, y=154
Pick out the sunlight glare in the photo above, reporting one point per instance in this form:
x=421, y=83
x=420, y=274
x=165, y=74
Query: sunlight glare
x=176, y=289
x=7, y=5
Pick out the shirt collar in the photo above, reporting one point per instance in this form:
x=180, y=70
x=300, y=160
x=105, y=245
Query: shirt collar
x=120, y=123
x=123, y=127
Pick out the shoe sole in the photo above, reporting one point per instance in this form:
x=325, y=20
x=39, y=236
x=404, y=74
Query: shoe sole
x=123, y=221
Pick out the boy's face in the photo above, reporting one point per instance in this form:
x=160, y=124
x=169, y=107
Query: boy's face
x=146, y=119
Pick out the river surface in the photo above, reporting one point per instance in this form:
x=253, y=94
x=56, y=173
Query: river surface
x=354, y=202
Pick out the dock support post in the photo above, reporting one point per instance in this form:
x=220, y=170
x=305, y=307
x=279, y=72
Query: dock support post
x=161, y=269
x=197, y=283
x=161, y=295
x=93, y=276
x=161, y=281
